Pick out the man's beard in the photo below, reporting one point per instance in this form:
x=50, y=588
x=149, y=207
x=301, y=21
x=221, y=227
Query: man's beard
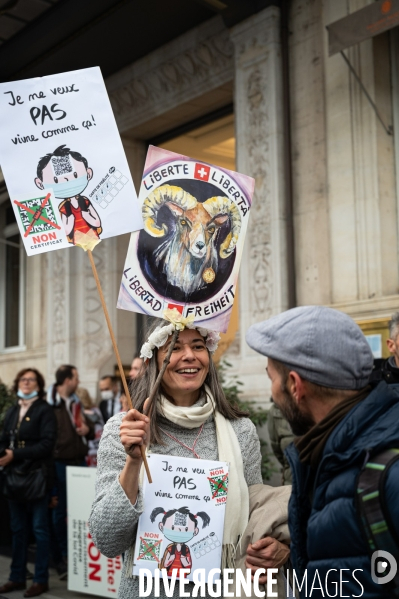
x=300, y=422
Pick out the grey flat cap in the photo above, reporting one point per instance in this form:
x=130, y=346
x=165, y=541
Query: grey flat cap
x=322, y=345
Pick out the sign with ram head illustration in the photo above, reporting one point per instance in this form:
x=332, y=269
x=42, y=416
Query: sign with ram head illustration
x=188, y=254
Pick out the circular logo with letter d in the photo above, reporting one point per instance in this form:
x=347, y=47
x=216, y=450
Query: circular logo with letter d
x=383, y=567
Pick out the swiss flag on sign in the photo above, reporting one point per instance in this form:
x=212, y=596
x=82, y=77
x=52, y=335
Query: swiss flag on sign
x=201, y=171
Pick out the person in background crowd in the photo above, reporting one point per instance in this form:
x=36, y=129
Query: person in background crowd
x=110, y=403
x=388, y=370
x=136, y=367
x=74, y=430
x=281, y=436
x=93, y=413
x=319, y=364
x=135, y=370
x=28, y=441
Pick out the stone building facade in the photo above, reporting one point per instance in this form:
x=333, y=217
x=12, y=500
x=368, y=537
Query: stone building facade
x=324, y=223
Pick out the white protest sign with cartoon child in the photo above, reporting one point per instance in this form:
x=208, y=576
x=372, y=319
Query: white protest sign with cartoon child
x=188, y=254
x=183, y=519
x=63, y=161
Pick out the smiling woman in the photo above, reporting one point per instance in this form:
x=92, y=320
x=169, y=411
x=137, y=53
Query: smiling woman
x=190, y=418
x=188, y=367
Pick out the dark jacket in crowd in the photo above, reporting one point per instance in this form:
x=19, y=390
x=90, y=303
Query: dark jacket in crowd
x=70, y=447
x=35, y=439
x=104, y=410
x=325, y=528
x=385, y=370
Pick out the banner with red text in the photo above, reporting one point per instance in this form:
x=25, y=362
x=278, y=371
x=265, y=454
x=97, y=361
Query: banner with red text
x=88, y=570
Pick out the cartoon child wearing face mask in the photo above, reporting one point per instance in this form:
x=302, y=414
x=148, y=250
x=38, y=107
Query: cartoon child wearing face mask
x=68, y=174
x=178, y=526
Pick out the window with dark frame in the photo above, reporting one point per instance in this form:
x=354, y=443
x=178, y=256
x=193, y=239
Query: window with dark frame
x=11, y=279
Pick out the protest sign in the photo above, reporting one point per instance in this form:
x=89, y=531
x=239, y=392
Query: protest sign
x=188, y=255
x=59, y=136
x=60, y=140
x=88, y=570
x=183, y=519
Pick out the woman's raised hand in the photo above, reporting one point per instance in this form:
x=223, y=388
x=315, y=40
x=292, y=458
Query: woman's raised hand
x=134, y=431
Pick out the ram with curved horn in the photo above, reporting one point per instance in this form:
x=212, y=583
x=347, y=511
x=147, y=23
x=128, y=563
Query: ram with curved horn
x=188, y=257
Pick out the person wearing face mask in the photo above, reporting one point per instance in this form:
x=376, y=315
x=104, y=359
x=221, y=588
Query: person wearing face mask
x=178, y=526
x=27, y=443
x=110, y=403
x=68, y=174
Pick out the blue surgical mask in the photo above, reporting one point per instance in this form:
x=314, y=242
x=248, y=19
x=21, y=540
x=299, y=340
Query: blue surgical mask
x=27, y=396
x=68, y=189
x=178, y=536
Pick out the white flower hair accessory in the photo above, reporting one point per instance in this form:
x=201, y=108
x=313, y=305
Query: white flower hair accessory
x=177, y=319
x=161, y=334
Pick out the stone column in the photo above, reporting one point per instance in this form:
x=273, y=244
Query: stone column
x=126, y=322
x=91, y=344
x=259, y=134
x=58, y=311
x=77, y=330
x=359, y=196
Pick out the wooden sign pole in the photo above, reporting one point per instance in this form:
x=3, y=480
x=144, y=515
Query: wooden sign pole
x=118, y=358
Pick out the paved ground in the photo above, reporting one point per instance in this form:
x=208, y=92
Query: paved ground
x=57, y=588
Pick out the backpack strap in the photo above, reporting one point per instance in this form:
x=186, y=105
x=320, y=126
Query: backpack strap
x=371, y=505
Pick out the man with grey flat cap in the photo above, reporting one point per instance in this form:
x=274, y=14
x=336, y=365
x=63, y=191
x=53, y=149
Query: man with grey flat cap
x=319, y=364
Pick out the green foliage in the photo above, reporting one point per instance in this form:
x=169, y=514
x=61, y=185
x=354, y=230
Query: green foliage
x=232, y=388
x=7, y=399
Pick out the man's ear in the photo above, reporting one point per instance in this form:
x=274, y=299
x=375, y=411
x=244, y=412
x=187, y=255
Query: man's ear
x=391, y=345
x=89, y=174
x=160, y=525
x=39, y=183
x=296, y=385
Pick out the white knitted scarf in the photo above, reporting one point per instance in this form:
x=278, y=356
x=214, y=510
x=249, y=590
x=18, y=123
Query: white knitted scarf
x=237, y=505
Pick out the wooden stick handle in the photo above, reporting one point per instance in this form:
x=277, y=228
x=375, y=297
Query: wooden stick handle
x=118, y=358
x=162, y=371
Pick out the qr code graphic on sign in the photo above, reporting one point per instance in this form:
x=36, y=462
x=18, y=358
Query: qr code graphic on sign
x=150, y=549
x=61, y=165
x=219, y=485
x=108, y=190
x=36, y=217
